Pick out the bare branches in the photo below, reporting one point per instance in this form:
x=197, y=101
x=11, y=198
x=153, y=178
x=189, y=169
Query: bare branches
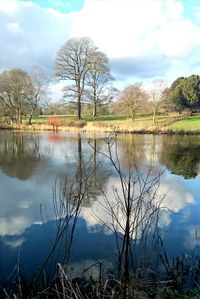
x=155, y=94
x=98, y=79
x=80, y=62
x=132, y=99
x=133, y=213
x=14, y=87
x=72, y=63
x=21, y=93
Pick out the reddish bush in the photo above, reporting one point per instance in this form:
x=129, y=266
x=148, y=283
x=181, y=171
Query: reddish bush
x=54, y=122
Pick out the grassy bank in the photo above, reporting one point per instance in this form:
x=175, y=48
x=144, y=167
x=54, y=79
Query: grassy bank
x=114, y=123
x=190, y=124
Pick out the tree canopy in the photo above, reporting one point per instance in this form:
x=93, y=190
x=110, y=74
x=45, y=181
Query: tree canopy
x=14, y=88
x=132, y=99
x=87, y=69
x=20, y=93
x=185, y=93
x=97, y=80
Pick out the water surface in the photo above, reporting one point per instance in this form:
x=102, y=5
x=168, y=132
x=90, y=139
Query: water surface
x=34, y=167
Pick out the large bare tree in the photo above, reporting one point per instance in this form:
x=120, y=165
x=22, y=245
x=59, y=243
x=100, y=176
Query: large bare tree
x=98, y=80
x=72, y=64
x=132, y=99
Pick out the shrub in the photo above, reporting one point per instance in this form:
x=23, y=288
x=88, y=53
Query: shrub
x=54, y=122
x=80, y=123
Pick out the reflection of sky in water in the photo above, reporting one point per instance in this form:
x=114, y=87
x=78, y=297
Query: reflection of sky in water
x=27, y=203
x=21, y=199
x=179, y=198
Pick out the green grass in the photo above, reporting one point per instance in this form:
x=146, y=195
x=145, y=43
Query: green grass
x=187, y=124
x=106, y=119
x=191, y=123
x=43, y=118
x=109, y=117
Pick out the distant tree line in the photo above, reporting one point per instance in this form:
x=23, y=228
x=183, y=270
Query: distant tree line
x=89, y=89
x=21, y=93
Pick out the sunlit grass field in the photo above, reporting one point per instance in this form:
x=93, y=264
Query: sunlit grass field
x=120, y=123
x=191, y=123
x=103, y=118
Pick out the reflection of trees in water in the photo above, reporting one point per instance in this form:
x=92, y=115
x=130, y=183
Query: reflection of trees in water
x=87, y=170
x=19, y=156
x=139, y=150
x=77, y=187
x=181, y=155
x=131, y=150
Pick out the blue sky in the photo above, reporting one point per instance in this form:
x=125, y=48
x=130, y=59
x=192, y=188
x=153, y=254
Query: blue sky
x=144, y=39
x=64, y=6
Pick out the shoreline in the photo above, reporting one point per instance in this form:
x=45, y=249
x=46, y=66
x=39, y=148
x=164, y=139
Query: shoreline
x=91, y=128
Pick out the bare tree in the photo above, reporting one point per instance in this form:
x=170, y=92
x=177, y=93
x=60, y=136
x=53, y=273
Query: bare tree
x=155, y=96
x=14, y=87
x=72, y=64
x=37, y=92
x=97, y=80
x=133, y=215
x=132, y=99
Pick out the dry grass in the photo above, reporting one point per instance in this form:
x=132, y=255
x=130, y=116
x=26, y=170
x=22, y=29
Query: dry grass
x=164, y=125
x=82, y=126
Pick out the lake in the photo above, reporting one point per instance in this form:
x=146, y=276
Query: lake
x=39, y=170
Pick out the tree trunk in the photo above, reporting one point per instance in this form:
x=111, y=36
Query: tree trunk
x=79, y=166
x=154, y=115
x=30, y=118
x=79, y=94
x=31, y=114
x=19, y=115
x=94, y=102
x=79, y=107
x=95, y=162
x=132, y=114
x=94, y=109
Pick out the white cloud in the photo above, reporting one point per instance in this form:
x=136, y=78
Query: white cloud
x=132, y=28
x=173, y=43
x=118, y=27
x=174, y=194
x=15, y=243
x=154, y=36
x=14, y=27
x=56, y=90
x=14, y=226
x=31, y=35
x=139, y=31
x=8, y=7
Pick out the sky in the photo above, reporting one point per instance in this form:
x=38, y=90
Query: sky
x=143, y=39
